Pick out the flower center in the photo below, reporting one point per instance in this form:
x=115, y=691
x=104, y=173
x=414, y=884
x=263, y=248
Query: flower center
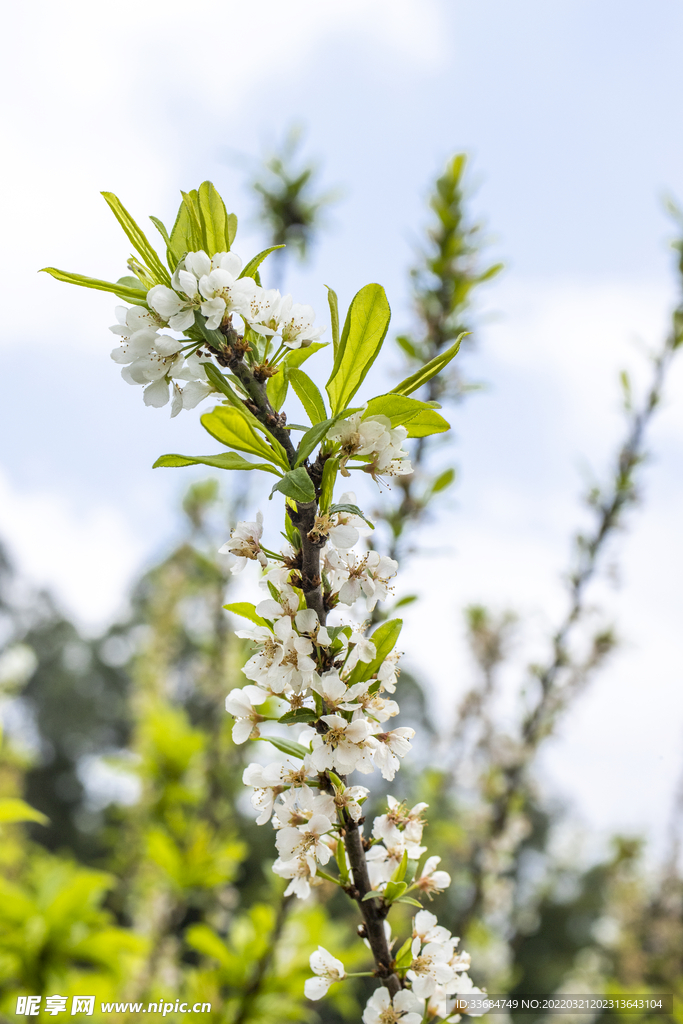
x=388, y=1016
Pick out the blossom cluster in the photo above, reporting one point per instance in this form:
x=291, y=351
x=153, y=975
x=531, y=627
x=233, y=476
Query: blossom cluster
x=332, y=686
x=327, y=679
x=209, y=287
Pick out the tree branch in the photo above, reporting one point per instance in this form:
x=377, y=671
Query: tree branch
x=372, y=911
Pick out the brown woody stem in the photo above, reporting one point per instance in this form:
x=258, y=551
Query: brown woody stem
x=373, y=911
x=303, y=518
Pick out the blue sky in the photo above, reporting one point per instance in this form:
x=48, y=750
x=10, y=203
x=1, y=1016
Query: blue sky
x=571, y=114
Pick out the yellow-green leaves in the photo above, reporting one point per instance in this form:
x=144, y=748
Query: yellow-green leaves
x=429, y=370
x=419, y=418
x=308, y=394
x=138, y=240
x=231, y=428
x=385, y=639
x=296, y=485
x=225, y=460
x=13, y=809
x=256, y=261
x=247, y=611
x=123, y=291
x=334, y=317
x=277, y=454
x=367, y=322
x=312, y=439
x=286, y=746
x=277, y=385
x=202, y=223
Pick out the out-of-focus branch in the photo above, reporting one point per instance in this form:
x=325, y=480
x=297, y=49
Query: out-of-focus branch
x=290, y=206
x=444, y=279
x=566, y=672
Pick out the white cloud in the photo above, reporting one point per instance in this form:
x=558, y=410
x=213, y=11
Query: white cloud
x=87, y=558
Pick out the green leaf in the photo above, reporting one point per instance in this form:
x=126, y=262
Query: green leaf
x=366, y=325
x=408, y=346
x=334, y=317
x=247, y=611
x=430, y=369
x=308, y=394
x=256, y=261
x=404, y=956
x=136, y=284
x=196, y=235
x=182, y=239
x=353, y=510
x=286, y=746
x=408, y=599
x=123, y=291
x=205, y=941
x=312, y=439
x=213, y=218
x=393, y=891
x=226, y=460
x=161, y=228
x=372, y=896
x=229, y=427
x=299, y=355
x=410, y=900
x=385, y=639
x=297, y=485
x=232, y=231
x=327, y=487
x=138, y=240
x=299, y=716
x=400, y=872
x=443, y=481
x=419, y=418
x=12, y=809
x=218, y=380
x=340, y=857
x=276, y=388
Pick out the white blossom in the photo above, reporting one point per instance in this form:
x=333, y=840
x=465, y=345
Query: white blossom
x=429, y=966
x=137, y=329
x=344, y=747
x=348, y=799
x=283, y=660
x=224, y=292
x=263, y=311
x=363, y=650
x=409, y=821
x=245, y=544
x=299, y=875
x=389, y=672
x=198, y=387
x=388, y=747
x=328, y=970
x=426, y=927
x=296, y=324
x=404, y=1008
x=305, y=842
x=354, y=576
x=296, y=806
x=374, y=437
x=240, y=704
x=177, y=309
x=430, y=879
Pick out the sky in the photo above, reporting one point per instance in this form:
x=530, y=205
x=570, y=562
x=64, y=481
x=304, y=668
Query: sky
x=570, y=114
